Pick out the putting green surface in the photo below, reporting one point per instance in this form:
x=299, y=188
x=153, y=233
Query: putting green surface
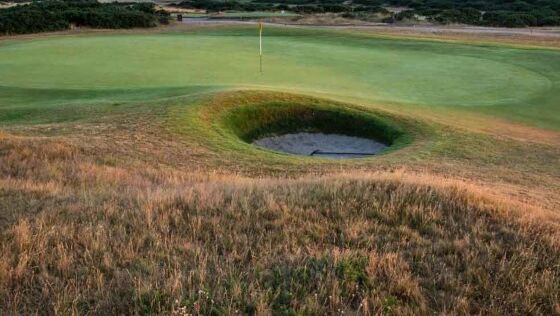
x=511, y=83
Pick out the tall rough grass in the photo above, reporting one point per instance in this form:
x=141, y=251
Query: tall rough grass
x=81, y=236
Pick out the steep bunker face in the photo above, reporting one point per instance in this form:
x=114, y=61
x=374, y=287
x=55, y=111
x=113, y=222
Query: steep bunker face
x=314, y=131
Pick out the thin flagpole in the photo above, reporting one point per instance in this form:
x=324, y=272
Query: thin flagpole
x=260, y=46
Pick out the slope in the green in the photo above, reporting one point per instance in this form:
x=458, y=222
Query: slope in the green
x=519, y=84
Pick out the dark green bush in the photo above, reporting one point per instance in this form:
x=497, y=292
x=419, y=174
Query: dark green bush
x=509, y=13
x=57, y=15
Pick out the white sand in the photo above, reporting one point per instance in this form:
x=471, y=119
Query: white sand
x=318, y=143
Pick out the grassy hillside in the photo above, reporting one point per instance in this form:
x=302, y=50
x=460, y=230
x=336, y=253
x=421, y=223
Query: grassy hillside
x=143, y=210
x=127, y=185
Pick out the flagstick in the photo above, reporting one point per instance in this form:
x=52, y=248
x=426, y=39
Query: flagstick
x=260, y=46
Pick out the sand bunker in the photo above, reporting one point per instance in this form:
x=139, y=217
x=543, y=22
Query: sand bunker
x=333, y=146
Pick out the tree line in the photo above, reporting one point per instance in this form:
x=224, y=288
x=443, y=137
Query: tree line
x=508, y=13
x=55, y=15
x=297, y=6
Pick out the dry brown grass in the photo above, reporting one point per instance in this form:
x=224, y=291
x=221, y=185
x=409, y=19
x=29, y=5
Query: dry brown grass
x=123, y=215
x=115, y=220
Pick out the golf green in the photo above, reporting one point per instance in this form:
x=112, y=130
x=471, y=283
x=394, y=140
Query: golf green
x=511, y=83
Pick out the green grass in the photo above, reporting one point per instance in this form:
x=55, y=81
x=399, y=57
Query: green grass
x=511, y=83
x=224, y=124
x=272, y=118
x=230, y=123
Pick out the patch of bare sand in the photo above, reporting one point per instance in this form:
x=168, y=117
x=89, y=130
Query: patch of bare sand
x=332, y=146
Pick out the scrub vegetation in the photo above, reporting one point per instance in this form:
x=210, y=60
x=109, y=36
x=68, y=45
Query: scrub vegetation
x=128, y=186
x=48, y=16
x=475, y=12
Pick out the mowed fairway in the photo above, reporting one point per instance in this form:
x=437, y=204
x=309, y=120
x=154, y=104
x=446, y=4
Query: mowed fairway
x=129, y=184
x=519, y=84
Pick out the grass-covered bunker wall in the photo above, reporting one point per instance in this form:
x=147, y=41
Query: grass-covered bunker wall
x=275, y=118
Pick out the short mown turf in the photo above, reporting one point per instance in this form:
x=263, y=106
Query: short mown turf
x=513, y=83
